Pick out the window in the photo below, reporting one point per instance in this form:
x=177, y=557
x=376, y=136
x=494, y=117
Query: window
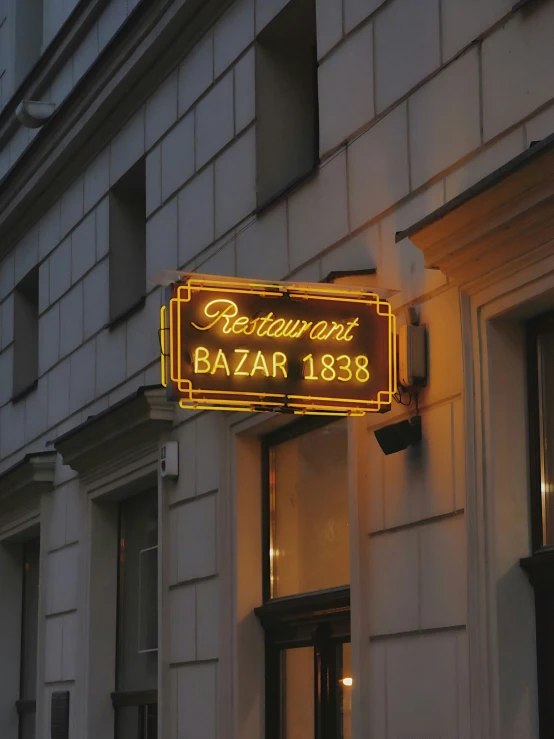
x=25, y=362
x=28, y=37
x=26, y=706
x=306, y=610
x=128, y=242
x=540, y=566
x=136, y=696
x=287, y=115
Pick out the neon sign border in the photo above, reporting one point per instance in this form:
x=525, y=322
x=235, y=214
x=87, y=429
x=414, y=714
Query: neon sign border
x=195, y=398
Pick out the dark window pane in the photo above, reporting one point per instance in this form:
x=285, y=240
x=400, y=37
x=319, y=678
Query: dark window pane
x=137, y=638
x=309, y=501
x=137, y=722
x=151, y=722
x=29, y=625
x=148, y=599
x=546, y=387
x=128, y=722
x=297, y=693
x=27, y=726
x=345, y=693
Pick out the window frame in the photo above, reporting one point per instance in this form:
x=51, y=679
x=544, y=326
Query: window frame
x=535, y=329
x=318, y=619
x=539, y=566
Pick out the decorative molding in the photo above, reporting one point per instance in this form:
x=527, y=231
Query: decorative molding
x=119, y=445
x=329, y=605
x=518, y=294
x=34, y=471
x=21, y=487
x=503, y=222
x=540, y=569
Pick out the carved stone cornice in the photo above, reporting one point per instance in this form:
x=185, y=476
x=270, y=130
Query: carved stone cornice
x=21, y=487
x=498, y=226
x=34, y=473
x=121, y=443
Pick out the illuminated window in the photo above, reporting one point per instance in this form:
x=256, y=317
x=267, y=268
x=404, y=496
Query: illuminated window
x=26, y=338
x=26, y=705
x=135, y=699
x=309, y=512
x=287, y=114
x=306, y=572
x=127, y=205
x=540, y=566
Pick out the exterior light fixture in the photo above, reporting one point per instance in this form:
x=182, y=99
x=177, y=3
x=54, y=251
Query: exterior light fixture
x=347, y=682
x=399, y=436
x=34, y=113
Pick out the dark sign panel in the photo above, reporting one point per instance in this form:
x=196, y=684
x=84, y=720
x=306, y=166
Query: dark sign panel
x=230, y=344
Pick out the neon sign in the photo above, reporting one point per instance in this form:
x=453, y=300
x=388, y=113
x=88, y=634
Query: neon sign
x=243, y=345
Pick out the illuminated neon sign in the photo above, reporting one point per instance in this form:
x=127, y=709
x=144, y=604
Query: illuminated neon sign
x=243, y=345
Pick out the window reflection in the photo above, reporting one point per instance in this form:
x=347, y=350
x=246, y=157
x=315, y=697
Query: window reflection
x=309, y=505
x=346, y=683
x=546, y=386
x=297, y=693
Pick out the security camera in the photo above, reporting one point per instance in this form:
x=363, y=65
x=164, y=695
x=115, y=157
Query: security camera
x=34, y=113
x=399, y=436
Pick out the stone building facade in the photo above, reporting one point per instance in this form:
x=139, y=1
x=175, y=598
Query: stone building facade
x=183, y=138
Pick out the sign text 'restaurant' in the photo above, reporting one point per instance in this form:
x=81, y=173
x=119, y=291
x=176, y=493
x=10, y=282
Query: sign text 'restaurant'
x=239, y=345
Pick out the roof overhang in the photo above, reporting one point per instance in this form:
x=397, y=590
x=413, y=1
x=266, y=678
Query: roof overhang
x=493, y=225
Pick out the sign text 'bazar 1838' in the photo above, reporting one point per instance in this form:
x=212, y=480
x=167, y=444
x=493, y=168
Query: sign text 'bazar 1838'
x=232, y=344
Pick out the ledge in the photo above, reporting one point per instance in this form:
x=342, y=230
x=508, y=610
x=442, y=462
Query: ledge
x=319, y=606
x=25, y=707
x=113, y=323
x=287, y=189
x=540, y=569
x=33, y=474
x=118, y=437
x=123, y=698
x=25, y=392
x=495, y=225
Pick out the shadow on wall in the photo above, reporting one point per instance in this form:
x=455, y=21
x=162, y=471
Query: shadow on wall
x=251, y=682
x=517, y=662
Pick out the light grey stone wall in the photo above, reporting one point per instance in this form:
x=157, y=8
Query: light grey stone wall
x=418, y=101
x=4, y=91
